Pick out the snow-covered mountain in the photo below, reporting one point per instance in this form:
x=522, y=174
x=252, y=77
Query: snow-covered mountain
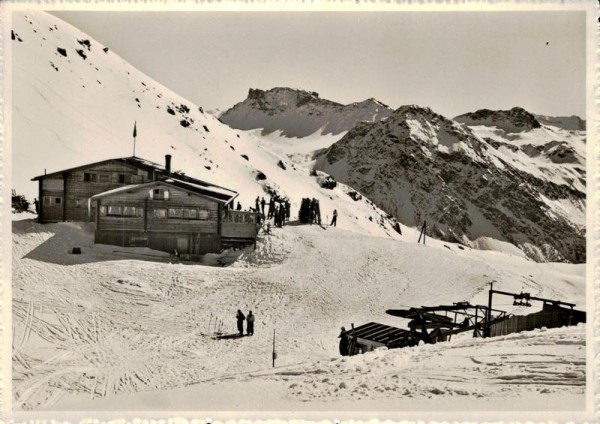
x=75, y=102
x=570, y=123
x=511, y=121
x=518, y=119
x=527, y=189
x=298, y=113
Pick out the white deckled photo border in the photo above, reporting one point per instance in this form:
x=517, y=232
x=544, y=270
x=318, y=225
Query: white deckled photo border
x=205, y=417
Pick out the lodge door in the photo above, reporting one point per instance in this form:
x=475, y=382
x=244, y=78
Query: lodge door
x=182, y=245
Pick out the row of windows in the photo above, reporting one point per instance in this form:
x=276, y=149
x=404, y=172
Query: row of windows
x=239, y=218
x=51, y=200
x=159, y=213
x=94, y=177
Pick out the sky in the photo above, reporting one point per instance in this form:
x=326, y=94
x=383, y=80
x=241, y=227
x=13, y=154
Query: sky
x=452, y=62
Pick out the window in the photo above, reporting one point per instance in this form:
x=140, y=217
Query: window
x=190, y=214
x=90, y=177
x=58, y=200
x=78, y=203
x=160, y=213
x=129, y=211
x=159, y=194
x=47, y=200
x=136, y=179
x=115, y=210
x=203, y=214
x=175, y=213
x=126, y=211
x=121, y=178
x=104, y=178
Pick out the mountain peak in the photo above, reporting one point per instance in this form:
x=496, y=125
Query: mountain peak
x=569, y=123
x=300, y=113
x=514, y=120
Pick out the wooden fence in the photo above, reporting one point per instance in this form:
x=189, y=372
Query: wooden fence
x=550, y=317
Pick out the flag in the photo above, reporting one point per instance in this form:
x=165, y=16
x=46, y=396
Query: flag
x=135, y=130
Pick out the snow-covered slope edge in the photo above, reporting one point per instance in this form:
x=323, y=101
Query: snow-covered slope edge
x=75, y=102
x=299, y=113
x=420, y=166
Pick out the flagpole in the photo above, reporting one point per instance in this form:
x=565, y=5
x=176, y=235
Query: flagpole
x=134, y=136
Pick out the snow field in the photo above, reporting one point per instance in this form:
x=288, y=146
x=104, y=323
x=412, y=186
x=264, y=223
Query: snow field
x=104, y=325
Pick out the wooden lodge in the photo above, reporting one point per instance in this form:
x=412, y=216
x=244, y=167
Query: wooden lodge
x=135, y=202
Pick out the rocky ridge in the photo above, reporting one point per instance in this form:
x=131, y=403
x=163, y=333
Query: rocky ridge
x=299, y=113
x=514, y=120
x=420, y=166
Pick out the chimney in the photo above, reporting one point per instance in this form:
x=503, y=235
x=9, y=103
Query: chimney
x=168, y=164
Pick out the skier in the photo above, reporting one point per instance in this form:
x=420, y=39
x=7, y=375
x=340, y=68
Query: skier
x=334, y=220
x=240, y=322
x=239, y=206
x=250, y=324
x=262, y=205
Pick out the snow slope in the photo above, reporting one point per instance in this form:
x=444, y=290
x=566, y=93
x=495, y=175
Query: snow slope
x=108, y=323
x=515, y=372
x=75, y=102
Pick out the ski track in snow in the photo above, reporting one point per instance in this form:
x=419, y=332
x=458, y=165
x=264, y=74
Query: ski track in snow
x=100, y=324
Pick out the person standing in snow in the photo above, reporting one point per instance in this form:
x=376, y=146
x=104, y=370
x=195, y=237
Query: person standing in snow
x=271, y=207
x=318, y=211
x=257, y=203
x=37, y=205
x=287, y=209
x=343, y=342
x=334, y=220
x=239, y=206
x=250, y=324
x=282, y=215
x=240, y=322
x=262, y=205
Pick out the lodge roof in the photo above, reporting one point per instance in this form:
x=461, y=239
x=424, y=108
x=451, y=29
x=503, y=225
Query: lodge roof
x=213, y=192
x=194, y=185
x=131, y=161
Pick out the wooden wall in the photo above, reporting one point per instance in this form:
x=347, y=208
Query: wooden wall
x=239, y=224
x=186, y=235
x=52, y=199
x=78, y=191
